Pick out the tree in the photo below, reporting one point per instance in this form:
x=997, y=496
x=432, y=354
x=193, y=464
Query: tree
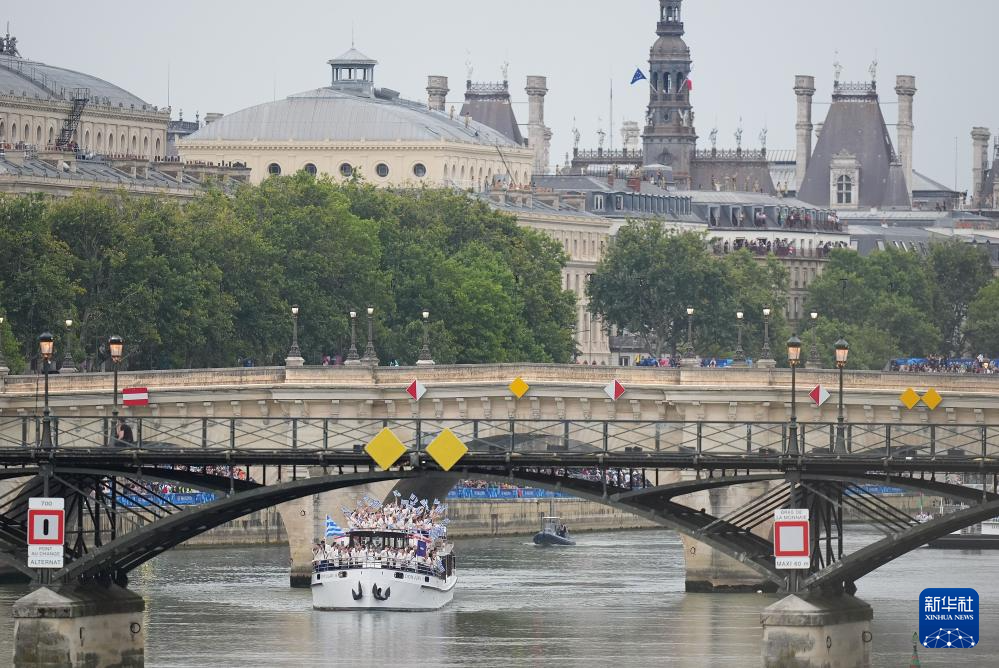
x=983, y=321
x=755, y=285
x=960, y=271
x=650, y=275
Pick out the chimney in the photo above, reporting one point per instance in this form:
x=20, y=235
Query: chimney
x=635, y=181
x=437, y=91
x=804, y=89
x=905, y=87
x=979, y=162
x=539, y=137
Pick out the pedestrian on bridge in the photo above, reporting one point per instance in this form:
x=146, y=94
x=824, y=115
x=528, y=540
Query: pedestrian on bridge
x=123, y=434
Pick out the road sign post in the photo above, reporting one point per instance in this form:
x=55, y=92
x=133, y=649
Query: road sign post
x=791, y=539
x=46, y=532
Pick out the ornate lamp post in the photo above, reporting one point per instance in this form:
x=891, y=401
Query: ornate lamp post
x=425, y=358
x=294, y=357
x=370, y=356
x=352, y=359
x=116, y=346
x=688, y=350
x=45, y=346
x=68, y=365
x=740, y=354
x=767, y=360
x=793, y=359
x=842, y=352
x=3, y=361
x=813, y=355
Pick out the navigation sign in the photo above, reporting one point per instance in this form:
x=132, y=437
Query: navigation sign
x=614, y=389
x=416, y=390
x=791, y=538
x=135, y=396
x=519, y=387
x=46, y=532
x=819, y=395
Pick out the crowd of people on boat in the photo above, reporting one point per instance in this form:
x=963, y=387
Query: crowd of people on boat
x=410, y=514
x=413, y=557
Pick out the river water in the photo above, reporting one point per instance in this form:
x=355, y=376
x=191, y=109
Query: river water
x=616, y=599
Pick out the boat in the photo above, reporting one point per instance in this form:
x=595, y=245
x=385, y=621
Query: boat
x=553, y=532
x=982, y=536
x=385, y=561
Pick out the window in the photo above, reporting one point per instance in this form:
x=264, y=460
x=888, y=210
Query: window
x=619, y=202
x=346, y=170
x=310, y=168
x=844, y=190
x=598, y=202
x=381, y=169
x=157, y=144
x=419, y=170
x=274, y=169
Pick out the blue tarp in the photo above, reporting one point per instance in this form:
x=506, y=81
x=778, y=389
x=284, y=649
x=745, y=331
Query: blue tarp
x=180, y=499
x=497, y=493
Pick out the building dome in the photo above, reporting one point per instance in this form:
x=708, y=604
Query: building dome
x=670, y=46
x=335, y=114
x=26, y=78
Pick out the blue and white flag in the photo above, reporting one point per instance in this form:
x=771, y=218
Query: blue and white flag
x=332, y=530
x=437, y=502
x=421, y=548
x=396, y=493
x=638, y=76
x=412, y=498
x=423, y=502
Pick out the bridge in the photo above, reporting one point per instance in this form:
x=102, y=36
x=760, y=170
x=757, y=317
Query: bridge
x=301, y=432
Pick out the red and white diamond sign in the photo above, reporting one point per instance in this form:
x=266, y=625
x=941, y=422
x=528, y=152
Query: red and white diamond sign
x=819, y=395
x=135, y=396
x=614, y=389
x=416, y=390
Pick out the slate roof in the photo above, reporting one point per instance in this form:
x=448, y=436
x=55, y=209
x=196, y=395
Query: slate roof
x=493, y=108
x=855, y=125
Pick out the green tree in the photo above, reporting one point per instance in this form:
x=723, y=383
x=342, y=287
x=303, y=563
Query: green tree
x=960, y=271
x=755, y=285
x=982, y=328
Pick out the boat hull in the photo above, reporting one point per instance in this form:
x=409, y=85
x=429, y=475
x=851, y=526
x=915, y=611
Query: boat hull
x=546, y=538
x=968, y=541
x=380, y=589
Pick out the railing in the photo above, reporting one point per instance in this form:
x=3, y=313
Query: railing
x=400, y=565
x=304, y=435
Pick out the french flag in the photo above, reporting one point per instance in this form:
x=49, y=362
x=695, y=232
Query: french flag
x=135, y=396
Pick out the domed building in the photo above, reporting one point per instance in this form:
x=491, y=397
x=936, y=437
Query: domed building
x=48, y=107
x=351, y=128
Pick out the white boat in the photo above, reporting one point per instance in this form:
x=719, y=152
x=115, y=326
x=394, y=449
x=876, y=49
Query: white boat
x=393, y=557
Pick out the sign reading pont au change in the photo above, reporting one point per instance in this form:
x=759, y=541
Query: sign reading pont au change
x=46, y=532
x=791, y=540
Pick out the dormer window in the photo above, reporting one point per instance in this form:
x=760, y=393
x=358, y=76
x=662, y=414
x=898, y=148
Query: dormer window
x=844, y=190
x=598, y=202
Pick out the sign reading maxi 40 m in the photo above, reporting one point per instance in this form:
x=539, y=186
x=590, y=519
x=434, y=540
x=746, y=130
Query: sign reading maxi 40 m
x=948, y=618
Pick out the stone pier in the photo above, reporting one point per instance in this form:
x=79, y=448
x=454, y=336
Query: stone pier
x=79, y=627
x=817, y=631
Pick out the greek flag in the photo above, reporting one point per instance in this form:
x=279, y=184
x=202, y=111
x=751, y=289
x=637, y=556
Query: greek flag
x=437, y=502
x=439, y=565
x=423, y=502
x=396, y=493
x=332, y=530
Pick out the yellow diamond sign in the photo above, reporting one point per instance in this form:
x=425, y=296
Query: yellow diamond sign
x=519, y=387
x=932, y=398
x=909, y=398
x=447, y=449
x=385, y=448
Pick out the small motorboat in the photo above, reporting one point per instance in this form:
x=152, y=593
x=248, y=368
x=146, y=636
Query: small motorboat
x=553, y=532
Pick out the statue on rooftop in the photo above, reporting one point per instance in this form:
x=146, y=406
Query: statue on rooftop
x=506, y=70
x=713, y=136
x=763, y=138
x=873, y=69
x=738, y=135
x=837, y=67
x=8, y=46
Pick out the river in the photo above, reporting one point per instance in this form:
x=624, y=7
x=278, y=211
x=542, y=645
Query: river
x=616, y=599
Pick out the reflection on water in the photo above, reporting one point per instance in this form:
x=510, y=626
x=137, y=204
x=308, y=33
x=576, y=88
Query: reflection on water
x=616, y=599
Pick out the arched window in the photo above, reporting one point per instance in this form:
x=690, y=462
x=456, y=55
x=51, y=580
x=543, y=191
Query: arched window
x=419, y=170
x=99, y=146
x=38, y=135
x=157, y=145
x=135, y=144
x=274, y=169
x=1, y=130
x=667, y=84
x=844, y=190
x=86, y=138
x=463, y=174
x=310, y=168
x=346, y=170
x=27, y=133
x=382, y=170
x=110, y=143
x=145, y=146
x=122, y=144
x=13, y=132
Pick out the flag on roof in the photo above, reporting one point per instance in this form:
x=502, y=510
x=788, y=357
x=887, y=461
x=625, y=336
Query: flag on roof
x=332, y=530
x=638, y=76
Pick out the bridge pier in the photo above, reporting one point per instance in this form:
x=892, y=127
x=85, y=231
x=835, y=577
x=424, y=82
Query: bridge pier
x=79, y=626
x=817, y=631
x=707, y=569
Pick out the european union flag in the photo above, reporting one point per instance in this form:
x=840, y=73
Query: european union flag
x=638, y=76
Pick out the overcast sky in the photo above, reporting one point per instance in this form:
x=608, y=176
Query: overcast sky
x=224, y=55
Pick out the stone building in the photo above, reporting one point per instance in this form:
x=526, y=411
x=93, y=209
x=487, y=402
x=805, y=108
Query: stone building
x=984, y=174
x=350, y=128
x=47, y=107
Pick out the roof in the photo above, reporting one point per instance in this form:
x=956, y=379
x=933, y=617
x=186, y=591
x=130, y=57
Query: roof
x=328, y=114
x=923, y=183
x=26, y=77
x=854, y=125
x=495, y=111
x=352, y=55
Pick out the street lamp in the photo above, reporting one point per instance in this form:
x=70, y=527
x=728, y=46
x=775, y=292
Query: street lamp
x=425, y=358
x=352, y=359
x=45, y=346
x=793, y=359
x=116, y=346
x=3, y=360
x=370, y=356
x=766, y=357
x=842, y=352
x=813, y=356
x=688, y=351
x=68, y=365
x=740, y=354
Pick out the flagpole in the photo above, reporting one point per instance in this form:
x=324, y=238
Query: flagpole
x=611, y=128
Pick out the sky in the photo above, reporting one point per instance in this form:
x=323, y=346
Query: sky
x=224, y=55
